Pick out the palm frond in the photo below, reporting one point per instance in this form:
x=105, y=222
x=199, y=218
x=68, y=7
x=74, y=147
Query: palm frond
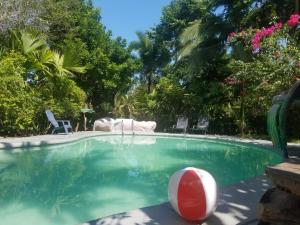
x=31, y=43
x=57, y=62
x=188, y=49
x=191, y=33
x=2, y=52
x=71, y=62
x=45, y=55
x=190, y=39
x=27, y=42
x=63, y=66
x=76, y=69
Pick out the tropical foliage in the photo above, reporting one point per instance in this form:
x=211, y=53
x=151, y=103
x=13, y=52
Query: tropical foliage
x=223, y=59
x=57, y=55
x=217, y=67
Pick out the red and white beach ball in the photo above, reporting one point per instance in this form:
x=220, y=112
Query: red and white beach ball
x=193, y=193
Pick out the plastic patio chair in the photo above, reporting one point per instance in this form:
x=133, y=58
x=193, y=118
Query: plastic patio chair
x=202, y=125
x=58, y=125
x=181, y=125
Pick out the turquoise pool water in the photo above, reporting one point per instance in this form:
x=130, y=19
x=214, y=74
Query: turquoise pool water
x=72, y=183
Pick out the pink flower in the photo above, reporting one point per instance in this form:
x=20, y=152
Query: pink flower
x=256, y=46
x=278, y=25
x=294, y=19
x=268, y=31
x=264, y=32
x=256, y=40
x=231, y=36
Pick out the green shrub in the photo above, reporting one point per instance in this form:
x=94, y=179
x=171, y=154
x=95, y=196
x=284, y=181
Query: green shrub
x=62, y=97
x=17, y=105
x=22, y=105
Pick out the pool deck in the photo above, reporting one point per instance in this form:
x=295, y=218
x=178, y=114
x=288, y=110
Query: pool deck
x=236, y=204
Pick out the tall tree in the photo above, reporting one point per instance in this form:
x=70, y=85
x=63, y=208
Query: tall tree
x=152, y=55
x=175, y=18
x=75, y=25
x=18, y=14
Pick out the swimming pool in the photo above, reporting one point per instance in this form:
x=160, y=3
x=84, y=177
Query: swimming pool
x=99, y=176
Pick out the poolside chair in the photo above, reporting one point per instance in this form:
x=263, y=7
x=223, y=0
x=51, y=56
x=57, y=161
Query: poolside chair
x=202, y=125
x=58, y=125
x=181, y=125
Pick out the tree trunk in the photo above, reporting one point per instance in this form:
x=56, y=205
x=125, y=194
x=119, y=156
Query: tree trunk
x=149, y=83
x=242, y=112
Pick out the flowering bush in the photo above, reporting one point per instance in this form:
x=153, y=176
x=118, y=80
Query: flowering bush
x=264, y=32
x=265, y=62
x=294, y=20
x=257, y=35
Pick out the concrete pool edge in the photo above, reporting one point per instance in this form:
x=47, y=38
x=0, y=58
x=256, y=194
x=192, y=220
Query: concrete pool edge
x=44, y=140
x=237, y=204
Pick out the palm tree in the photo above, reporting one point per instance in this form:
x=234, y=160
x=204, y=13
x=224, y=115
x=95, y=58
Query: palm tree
x=145, y=47
x=28, y=42
x=122, y=106
x=190, y=39
x=204, y=40
x=42, y=60
x=65, y=64
x=152, y=55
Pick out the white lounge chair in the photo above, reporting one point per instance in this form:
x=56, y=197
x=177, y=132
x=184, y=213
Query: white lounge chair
x=181, y=125
x=202, y=125
x=58, y=125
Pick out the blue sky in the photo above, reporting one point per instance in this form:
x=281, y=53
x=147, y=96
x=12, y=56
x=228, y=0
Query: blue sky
x=125, y=17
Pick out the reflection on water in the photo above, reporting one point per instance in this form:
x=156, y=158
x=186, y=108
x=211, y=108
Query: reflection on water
x=72, y=183
x=128, y=140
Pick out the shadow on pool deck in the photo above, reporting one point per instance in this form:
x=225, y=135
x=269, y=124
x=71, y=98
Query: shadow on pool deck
x=236, y=205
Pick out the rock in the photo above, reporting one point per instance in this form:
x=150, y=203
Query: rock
x=278, y=207
x=286, y=175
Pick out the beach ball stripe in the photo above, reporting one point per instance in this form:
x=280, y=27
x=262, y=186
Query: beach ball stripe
x=193, y=193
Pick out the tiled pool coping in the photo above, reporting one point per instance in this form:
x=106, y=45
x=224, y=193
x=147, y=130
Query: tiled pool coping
x=236, y=205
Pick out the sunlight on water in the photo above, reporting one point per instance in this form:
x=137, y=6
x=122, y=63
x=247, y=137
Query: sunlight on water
x=73, y=183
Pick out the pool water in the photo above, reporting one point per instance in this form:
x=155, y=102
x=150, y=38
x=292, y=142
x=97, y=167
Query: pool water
x=73, y=183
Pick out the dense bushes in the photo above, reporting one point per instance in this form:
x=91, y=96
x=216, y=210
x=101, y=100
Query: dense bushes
x=16, y=108
x=64, y=59
x=22, y=105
